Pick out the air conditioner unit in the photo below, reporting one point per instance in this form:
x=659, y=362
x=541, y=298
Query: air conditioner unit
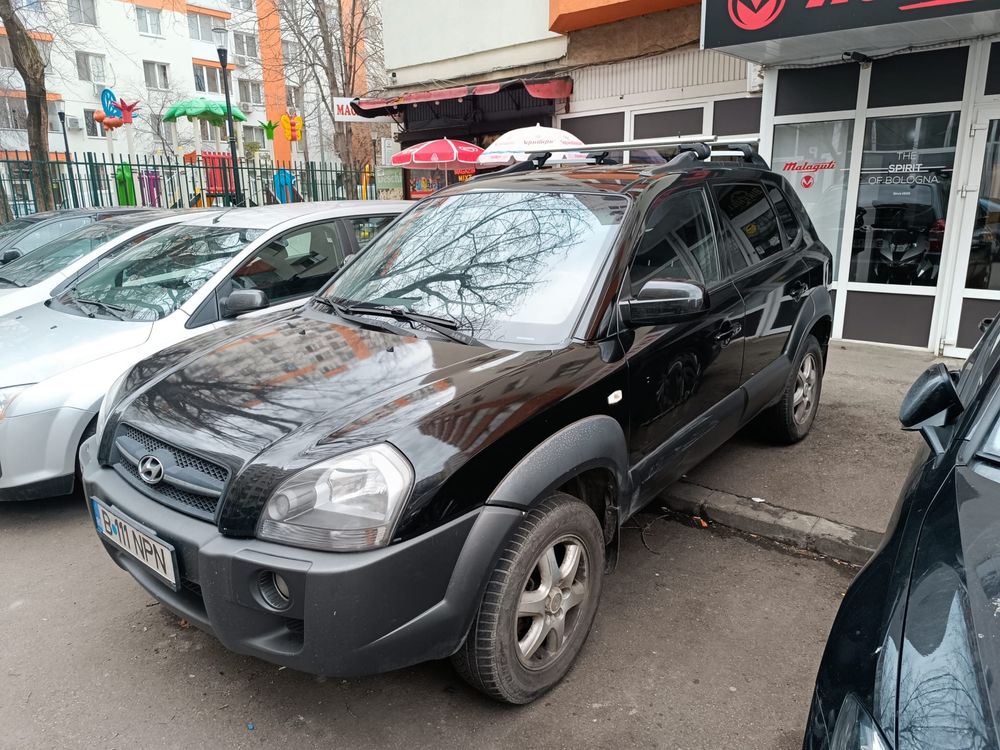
x=246, y=106
x=73, y=123
x=98, y=88
x=240, y=60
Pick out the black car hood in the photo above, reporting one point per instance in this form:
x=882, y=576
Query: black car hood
x=948, y=692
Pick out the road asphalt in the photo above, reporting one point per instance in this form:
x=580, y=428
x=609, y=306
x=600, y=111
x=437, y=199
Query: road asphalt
x=704, y=639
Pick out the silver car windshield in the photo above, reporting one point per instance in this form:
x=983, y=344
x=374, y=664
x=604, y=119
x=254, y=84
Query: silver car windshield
x=510, y=267
x=157, y=276
x=58, y=254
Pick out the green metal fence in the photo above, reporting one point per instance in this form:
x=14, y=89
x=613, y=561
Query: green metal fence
x=95, y=180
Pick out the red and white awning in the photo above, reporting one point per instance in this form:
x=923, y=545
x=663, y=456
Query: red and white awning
x=553, y=88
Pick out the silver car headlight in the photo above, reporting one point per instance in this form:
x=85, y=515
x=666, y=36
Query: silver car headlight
x=347, y=503
x=856, y=730
x=108, y=402
x=7, y=396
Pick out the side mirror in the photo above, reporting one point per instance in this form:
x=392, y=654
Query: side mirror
x=9, y=255
x=984, y=324
x=244, y=301
x=665, y=301
x=931, y=402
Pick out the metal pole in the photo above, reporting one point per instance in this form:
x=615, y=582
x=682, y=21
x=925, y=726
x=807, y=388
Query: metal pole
x=223, y=60
x=69, y=160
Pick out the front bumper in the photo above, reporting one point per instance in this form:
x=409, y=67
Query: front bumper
x=38, y=452
x=350, y=613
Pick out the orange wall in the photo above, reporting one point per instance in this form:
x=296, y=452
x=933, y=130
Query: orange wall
x=572, y=15
x=273, y=67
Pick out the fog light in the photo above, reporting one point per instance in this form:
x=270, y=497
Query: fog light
x=274, y=590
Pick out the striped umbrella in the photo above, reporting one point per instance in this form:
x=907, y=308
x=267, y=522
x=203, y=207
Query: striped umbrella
x=443, y=153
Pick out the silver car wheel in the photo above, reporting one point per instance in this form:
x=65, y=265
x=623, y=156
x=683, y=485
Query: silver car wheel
x=804, y=396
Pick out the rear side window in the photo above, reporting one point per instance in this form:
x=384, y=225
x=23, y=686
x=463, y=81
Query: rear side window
x=678, y=243
x=786, y=216
x=748, y=211
x=366, y=227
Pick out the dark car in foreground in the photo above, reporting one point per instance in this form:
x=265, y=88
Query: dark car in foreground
x=911, y=661
x=435, y=456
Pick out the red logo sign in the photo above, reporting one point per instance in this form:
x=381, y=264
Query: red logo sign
x=752, y=15
x=807, y=180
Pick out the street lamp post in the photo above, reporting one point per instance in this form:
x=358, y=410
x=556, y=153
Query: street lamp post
x=69, y=160
x=222, y=47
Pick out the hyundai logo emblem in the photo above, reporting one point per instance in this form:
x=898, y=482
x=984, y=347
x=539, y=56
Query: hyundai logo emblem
x=150, y=469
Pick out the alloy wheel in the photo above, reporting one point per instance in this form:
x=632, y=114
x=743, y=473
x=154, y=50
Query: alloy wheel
x=804, y=396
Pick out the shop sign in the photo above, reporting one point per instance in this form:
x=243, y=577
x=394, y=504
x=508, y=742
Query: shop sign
x=344, y=112
x=732, y=22
x=805, y=166
x=906, y=168
x=389, y=178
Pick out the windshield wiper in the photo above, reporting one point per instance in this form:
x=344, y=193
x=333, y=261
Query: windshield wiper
x=447, y=327
x=5, y=280
x=343, y=312
x=107, y=307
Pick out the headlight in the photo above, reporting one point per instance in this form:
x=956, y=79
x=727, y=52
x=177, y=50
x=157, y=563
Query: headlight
x=346, y=503
x=109, y=401
x=856, y=730
x=7, y=396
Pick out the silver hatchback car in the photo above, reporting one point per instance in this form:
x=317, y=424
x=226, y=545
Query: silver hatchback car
x=59, y=357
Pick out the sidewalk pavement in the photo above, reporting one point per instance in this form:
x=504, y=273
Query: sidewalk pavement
x=834, y=492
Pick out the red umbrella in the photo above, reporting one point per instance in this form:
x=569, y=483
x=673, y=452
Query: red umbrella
x=443, y=153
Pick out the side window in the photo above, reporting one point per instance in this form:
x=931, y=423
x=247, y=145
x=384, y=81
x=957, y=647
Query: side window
x=293, y=266
x=51, y=231
x=678, y=242
x=366, y=227
x=786, y=216
x=747, y=209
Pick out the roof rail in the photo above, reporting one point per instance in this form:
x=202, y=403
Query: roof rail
x=535, y=161
x=747, y=150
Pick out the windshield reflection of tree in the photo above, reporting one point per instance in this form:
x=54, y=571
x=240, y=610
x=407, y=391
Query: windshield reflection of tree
x=156, y=277
x=476, y=258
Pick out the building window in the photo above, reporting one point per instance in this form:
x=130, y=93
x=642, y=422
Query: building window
x=162, y=130
x=54, y=125
x=242, y=4
x=13, y=113
x=251, y=91
x=6, y=57
x=148, y=21
x=156, y=74
x=94, y=129
x=207, y=79
x=289, y=50
x=253, y=134
x=200, y=26
x=211, y=132
x=293, y=97
x=815, y=158
x=245, y=44
x=83, y=11
x=90, y=67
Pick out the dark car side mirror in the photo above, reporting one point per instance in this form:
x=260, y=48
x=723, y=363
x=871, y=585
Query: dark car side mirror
x=931, y=403
x=984, y=324
x=665, y=301
x=9, y=255
x=244, y=301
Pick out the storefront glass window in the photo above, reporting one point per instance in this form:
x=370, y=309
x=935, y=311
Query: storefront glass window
x=906, y=173
x=984, y=254
x=815, y=158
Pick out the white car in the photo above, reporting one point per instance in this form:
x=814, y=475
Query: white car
x=59, y=357
x=52, y=267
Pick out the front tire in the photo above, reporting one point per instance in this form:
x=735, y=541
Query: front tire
x=791, y=419
x=539, y=604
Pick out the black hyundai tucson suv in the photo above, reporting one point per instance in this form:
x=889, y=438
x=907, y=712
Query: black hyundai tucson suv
x=435, y=456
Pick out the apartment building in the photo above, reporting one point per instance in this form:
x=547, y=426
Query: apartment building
x=158, y=52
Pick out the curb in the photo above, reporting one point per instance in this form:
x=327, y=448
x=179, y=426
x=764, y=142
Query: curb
x=820, y=535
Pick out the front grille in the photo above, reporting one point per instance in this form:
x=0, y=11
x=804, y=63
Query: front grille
x=190, y=483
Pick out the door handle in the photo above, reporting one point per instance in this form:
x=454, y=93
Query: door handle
x=798, y=290
x=730, y=330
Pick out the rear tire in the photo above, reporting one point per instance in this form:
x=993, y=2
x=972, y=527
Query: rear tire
x=539, y=604
x=791, y=419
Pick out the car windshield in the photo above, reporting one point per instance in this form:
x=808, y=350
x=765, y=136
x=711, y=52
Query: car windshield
x=15, y=226
x=509, y=267
x=157, y=276
x=58, y=254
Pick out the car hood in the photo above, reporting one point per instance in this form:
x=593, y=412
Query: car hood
x=37, y=342
x=12, y=300
x=948, y=695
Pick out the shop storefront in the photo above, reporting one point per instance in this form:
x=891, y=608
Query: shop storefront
x=885, y=118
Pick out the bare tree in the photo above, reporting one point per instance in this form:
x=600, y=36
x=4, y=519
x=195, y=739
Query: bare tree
x=30, y=64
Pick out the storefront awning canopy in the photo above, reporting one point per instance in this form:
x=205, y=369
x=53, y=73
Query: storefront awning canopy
x=776, y=32
x=552, y=88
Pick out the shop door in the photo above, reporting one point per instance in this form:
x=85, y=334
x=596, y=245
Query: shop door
x=976, y=288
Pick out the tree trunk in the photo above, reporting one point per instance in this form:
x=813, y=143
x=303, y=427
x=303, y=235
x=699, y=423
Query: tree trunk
x=341, y=134
x=29, y=63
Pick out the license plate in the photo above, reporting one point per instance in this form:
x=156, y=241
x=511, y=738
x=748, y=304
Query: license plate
x=138, y=542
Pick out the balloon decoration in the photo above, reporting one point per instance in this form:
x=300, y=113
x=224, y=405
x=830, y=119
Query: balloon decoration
x=109, y=103
x=269, y=128
x=292, y=127
x=114, y=112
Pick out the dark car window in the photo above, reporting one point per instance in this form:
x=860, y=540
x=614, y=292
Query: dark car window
x=749, y=212
x=366, y=227
x=678, y=242
x=786, y=216
x=979, y=364
x=294, y=266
